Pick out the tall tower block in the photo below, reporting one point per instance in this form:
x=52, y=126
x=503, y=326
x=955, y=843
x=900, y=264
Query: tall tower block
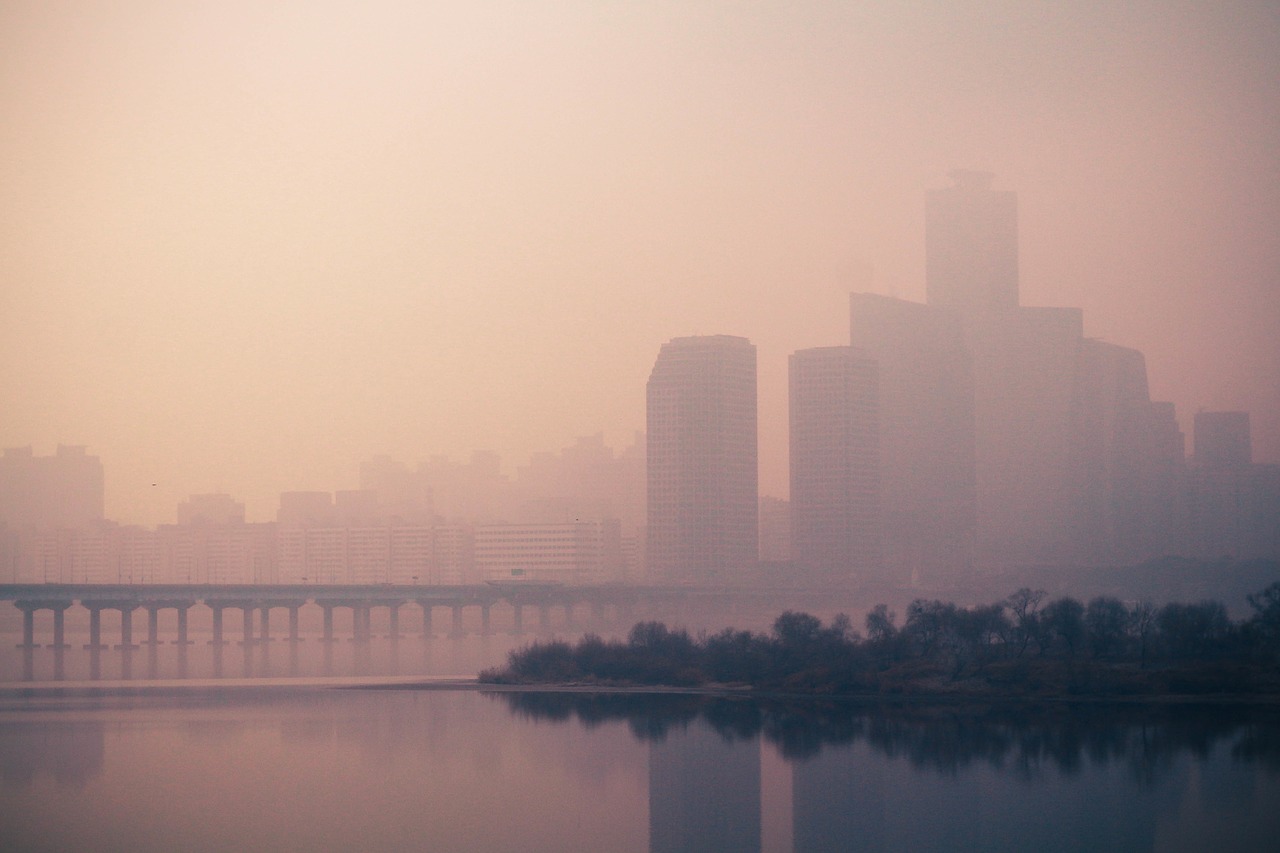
x=702, y=459
x=971, y=245
x=835, y=463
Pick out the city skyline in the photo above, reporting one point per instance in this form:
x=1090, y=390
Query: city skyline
x=245, y=252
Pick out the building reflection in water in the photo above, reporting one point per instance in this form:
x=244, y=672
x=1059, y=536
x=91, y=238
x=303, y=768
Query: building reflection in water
x=704, y=792
x=71, y=753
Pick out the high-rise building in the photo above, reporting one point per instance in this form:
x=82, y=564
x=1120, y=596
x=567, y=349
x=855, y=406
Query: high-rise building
x=1234, y=503
x=926, y=435
x=1025, y=363
x=702, y=459
x=835, y=463
x=1130, y=471
x=210, y=510
x=47, y=492
x=574, y=552
x=971, y=245
x=1222, y=440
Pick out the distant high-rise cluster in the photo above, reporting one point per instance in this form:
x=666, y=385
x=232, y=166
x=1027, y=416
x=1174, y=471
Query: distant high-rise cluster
x=966, y=433
x=63, y=490
x=1009, y=438
x=963, y=434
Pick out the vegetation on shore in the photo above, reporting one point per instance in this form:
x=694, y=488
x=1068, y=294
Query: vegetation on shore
x=1022, y=645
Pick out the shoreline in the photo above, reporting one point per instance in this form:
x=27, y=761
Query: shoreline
x=88, y=689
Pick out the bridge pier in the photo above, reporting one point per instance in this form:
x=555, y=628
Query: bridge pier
x=484, y=620
x=247, y=624
x=126, y=626
x=393, y=621
x=59, y=629
x=182, y=627
x=544, y=617
x=361, y=631
x=328, y=622
x=153, y=624
x=517, y=627
x=28, y=628
x=217, y=625
x=95, y=629
x=293, y=624
x=29, y=609
x=426, y=619
x=457, y=621
x=264, y=624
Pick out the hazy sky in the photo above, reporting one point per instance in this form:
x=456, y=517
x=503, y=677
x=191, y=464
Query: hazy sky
x=244, y=246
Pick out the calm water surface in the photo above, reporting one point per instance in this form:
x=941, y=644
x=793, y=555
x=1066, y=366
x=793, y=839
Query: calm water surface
x=279, y=767
x=249, y=758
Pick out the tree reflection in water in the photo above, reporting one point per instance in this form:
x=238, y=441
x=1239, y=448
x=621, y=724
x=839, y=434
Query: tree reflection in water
x=1024, y=740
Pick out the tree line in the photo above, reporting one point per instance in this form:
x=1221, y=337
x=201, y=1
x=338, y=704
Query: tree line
x=1025, y=643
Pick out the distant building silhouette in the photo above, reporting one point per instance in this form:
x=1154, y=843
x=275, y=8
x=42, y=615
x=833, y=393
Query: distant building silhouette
x=701, y=460
x=926, y=436
x=212, y=509
x=48, y=492
x=568, y=552
x=971, y=245
x=835, y=464
x=1007, y=437
x=1235, y=503
x=1223, y=440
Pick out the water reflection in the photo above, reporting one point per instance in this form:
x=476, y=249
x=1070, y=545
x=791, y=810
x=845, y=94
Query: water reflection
x=1025, y=741
x=386, y=770
x=70, y=753
x=877, y=777
x=704, y=792
x=279, y=658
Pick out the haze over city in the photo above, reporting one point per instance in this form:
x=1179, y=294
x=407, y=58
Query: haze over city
x=246, y=248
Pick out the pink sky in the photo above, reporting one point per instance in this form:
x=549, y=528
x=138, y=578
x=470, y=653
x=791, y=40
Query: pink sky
x=246, y=245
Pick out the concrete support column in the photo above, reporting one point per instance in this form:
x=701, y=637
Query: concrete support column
x=126, y=628
x=217, y=626
x=59, y=629
x=95, y=628
x=518, y=627
x=426, y=620
x=153, y=625
x=393, y=621
x=28, y=628
x=457, y=620
x=484, y=619
x=264, y=624
x=182, y=626
x=328, y=622
x=544, y=617
x=360, y=623
x=293, y=624
x=248, y=624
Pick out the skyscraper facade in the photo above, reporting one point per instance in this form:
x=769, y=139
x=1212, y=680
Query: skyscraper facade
x=971, y=244
x=702, y=460
x=47, y=492
x=835, y=463
x=926, y=435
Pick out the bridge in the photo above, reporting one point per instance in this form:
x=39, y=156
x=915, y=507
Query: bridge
x=258, y=601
